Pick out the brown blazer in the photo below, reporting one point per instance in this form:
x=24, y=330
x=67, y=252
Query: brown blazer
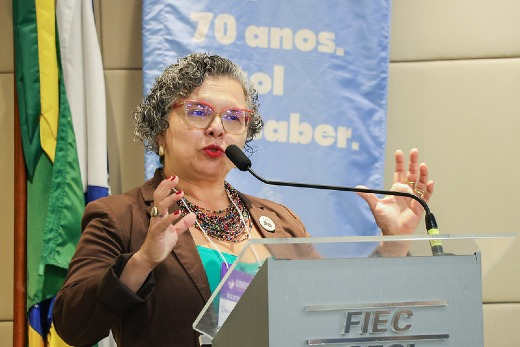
x=93, y=301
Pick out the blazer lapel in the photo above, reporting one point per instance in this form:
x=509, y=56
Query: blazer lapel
x=258, y=214
x=186, y=252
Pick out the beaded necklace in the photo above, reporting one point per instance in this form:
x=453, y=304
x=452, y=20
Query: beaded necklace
x=225, y=225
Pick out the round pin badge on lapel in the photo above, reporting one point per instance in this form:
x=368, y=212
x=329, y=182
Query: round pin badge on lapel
x=267, y=223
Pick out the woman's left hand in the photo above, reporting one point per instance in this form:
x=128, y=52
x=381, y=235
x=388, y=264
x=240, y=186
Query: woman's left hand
x=400, y=214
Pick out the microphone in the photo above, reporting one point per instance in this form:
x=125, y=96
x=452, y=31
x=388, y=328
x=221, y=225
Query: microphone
x=243, y=163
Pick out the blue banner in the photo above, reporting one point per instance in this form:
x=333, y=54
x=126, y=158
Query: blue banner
x=321, y=69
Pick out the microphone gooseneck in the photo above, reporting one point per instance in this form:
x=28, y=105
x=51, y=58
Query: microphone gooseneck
x=243, y=163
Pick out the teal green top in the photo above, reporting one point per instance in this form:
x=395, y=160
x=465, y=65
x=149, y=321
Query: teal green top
x=212, y=264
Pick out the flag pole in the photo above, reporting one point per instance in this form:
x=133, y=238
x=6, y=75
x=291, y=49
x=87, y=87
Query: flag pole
x=20, y=236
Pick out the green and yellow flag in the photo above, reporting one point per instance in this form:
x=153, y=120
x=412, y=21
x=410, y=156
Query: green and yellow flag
x=55, y=189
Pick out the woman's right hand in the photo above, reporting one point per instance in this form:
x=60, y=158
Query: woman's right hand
x=161, y=237
x=162, y=234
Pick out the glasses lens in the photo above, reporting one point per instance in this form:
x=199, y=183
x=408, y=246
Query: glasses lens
x=200, y=115
x=235, y=120
x=197, y=114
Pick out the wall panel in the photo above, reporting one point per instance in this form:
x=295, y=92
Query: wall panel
x=121, y=34
x=126, y=156
x=448, y=29
x=500, y=322
x=6, y=36
x=7, y=194
x=463, y=116
x=6, y=334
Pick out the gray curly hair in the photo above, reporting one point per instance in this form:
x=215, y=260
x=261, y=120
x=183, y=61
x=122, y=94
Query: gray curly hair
x=177, y=82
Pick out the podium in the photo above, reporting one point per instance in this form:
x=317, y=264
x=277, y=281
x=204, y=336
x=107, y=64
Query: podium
x=353, y=291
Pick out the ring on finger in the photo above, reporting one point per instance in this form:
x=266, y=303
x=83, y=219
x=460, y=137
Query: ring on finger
x=411, y=184
x=418, y=191
x=154, y=212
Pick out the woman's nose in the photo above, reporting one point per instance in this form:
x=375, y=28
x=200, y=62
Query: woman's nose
x=215, y=128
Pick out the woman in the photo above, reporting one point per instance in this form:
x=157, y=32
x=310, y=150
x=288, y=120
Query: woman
x=143, y=266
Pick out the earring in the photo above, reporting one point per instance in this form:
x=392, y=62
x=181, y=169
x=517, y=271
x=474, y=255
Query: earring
x=161, y=151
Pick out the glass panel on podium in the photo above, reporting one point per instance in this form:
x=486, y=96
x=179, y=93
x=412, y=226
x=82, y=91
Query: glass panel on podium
x=243, y=270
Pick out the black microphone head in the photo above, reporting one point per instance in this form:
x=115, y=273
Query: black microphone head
x=237, y=157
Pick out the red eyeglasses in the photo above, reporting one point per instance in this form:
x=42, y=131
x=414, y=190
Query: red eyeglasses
x=199, y=115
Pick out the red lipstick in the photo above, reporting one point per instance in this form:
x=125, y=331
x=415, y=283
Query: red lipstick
x=213, y=151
